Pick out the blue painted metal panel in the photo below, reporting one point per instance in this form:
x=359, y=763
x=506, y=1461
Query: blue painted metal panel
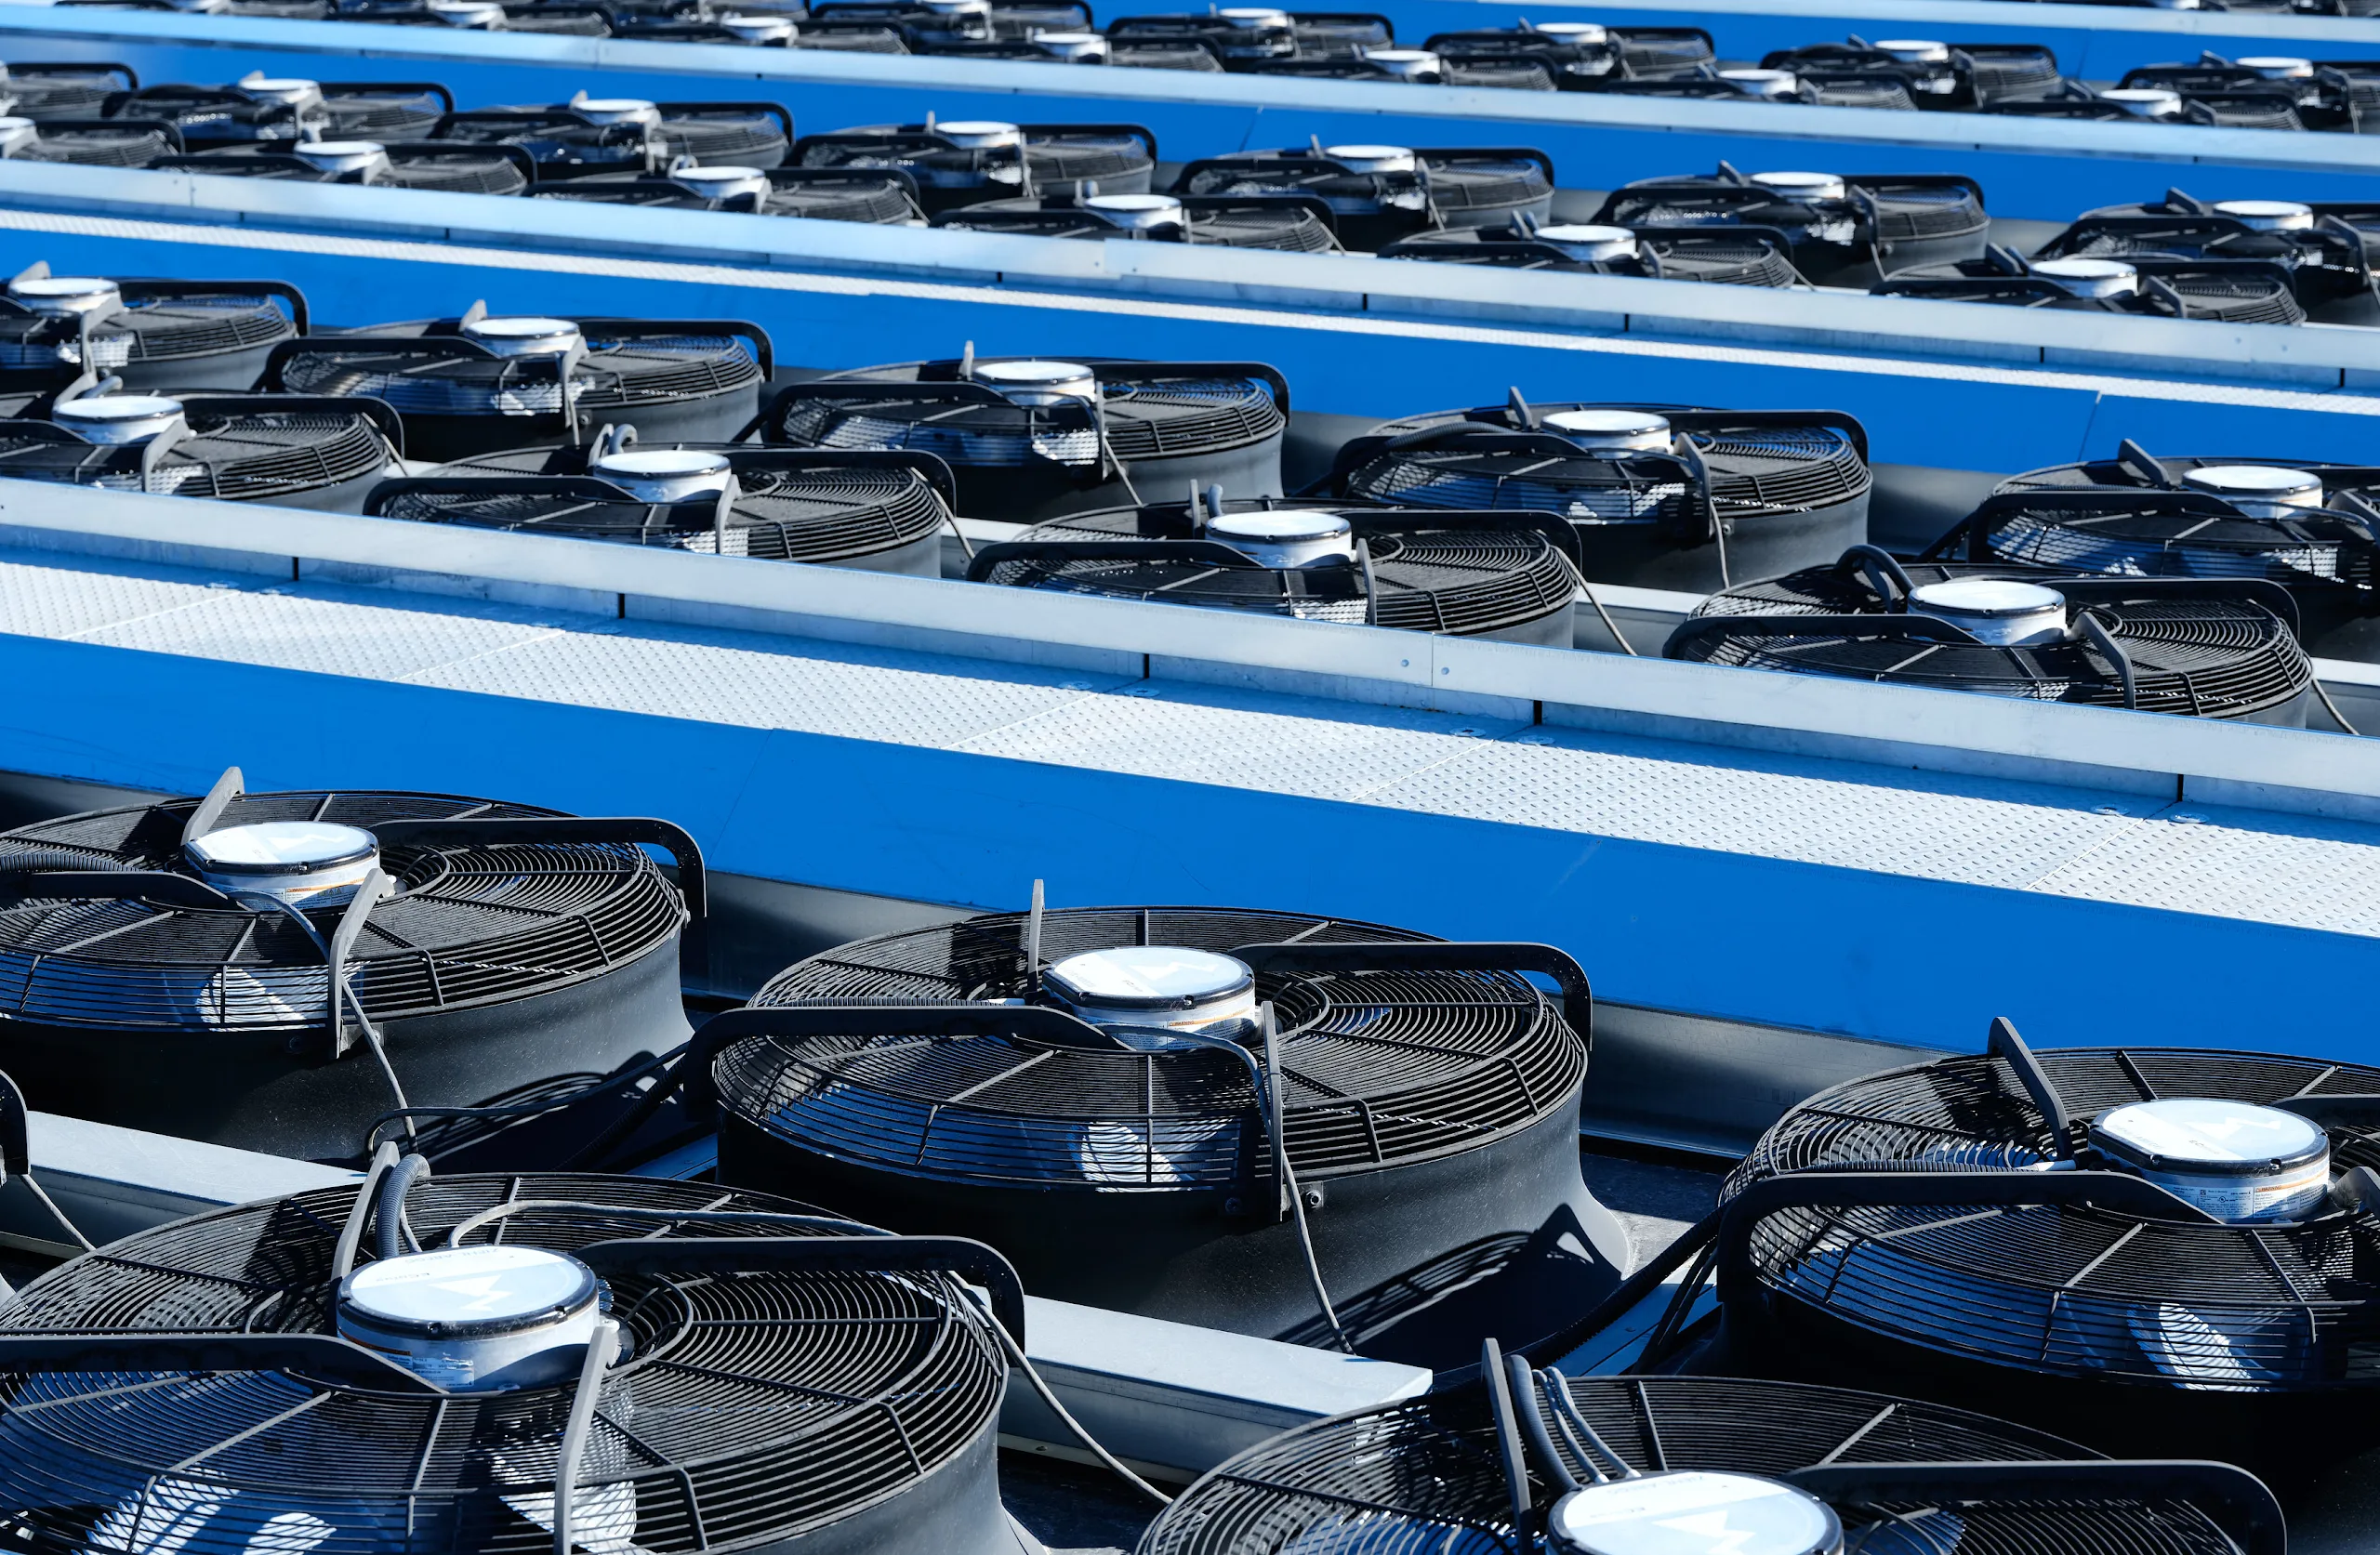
x=1899, y=958
x=1963, y=418
x=2050, y=174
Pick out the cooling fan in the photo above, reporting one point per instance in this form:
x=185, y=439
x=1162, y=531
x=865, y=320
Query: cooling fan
x=628, y=135
x=170, y=966
x=151, y=333
x=2308, y=527
x=2293, y=93
x=878, y=512
x=1378, y=194
x=2325, y=249
x=285, y=450
x=555, y=18
x=438, y=165
x=62, y=90
x=1721, y=256
x=1662, y=497
x=1029, y=438
x=1504, y=576
x=1567, y=56
x=1842, y=226
x=483, y=383
x=1246, y=36
x=2153, y=1249
x=1536, y=1462
x=917, y=23
x=2224, y=290
x=884, y=196
x=2222, y=648
x=1296, y=223
x=1381, y=1154
x=510, y=1363
x=260, y=109
x=1940, y=76
x=965, y=161
x=87, y=142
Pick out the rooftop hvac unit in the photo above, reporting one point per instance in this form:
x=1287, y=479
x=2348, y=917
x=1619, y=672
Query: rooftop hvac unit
x=1504, y=576
x=170, y=966
x=1378, y=194
x=152, y=333
x=1577, y=55
x=510, y=1363
x=1298, y=223
x=2270, y=107
x=2322, y=96
x=1685, y=1466
x=441, y=166
x=91, y=142
x=770, y=31
x=964, y=162
x=885, y=196
x=2327, y=249
x=277, y=10
x=257, y=109
x=1414, y=66
x=1047, y=49
x=1159, y=52
x=1243, y=35
x=287, y=450
x=550, y=16
x=1028, y=18
x=628, y=135
x=1383, y=1155
x=1724, y=256
x=2205, y=648
x=2228, y=291
x=1661, y=496
x=482, y=383
x=2308, y=527
x=80, y=90
x=1843, y=225
x=917, y=22
x=2153, y=1248
x=1936, y=75
x=1031, y=439
x=882, y=512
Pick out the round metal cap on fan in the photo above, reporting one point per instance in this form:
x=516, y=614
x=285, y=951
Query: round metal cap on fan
x=1612, y=429
x=2259, y=491
x=1286, y=537
x=2268, y=216
x=1999, y=610
x=1171, y=986
x=722, y=183
x=1074, y=46
x=1136, y=212
x=2145, y=102
x=116, y=418
x=2277, y=66
x=664, y=474
x=295, y=91
x=1761, y=83
x=1253, y=16
x=1404, y=62
x=1690, y=1510
x=979, y=134
x=2236, y=1161
x=475, y=1318
x=66, y=296
x=1914, y=51
x=1373, y=159
x=616, y=110
x=2090, y=278
x=1573, y=32
x=1590, y=244
x=758, y=29
x=524, y=336
x=295, y=860
x=1040, y=383
x=340, y=156
x=1803, y=186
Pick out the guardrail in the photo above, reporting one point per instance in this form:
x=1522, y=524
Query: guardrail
x=2039, y=169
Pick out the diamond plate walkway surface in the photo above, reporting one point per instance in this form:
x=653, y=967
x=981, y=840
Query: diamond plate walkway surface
x=1833, y=894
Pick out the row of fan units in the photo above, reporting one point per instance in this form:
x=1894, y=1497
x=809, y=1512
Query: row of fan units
x=2259, y=92
x=1277, y=1123
x=2235, y=261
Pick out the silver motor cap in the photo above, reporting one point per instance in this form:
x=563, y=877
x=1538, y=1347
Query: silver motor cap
x=297, y=91
x=1137, y=212
x=2003, y=612
x=1286, y=537
x=1763, y=83
x=2144, y=102
x=980, y=134
x=1405, y=62
x=115, y=419
x=1164, y=986
x=1040, y=383
x=615, y=110
x=524, y=336
x=2267, y=215
x=664, y=474
x=2277, y=66
x=468, y=13
x=1915, y=51
x=1590, y=243
x=2260, y=491
x=2089, y=278
x=722, y=183
x=340, y=156
x=758, y=29
x=66, y=296
x=1803, y=186
x=1373, y=159
x=1612, y=431
x=1253, y=16
x=1574, y=32
x=296, y=860
x=478, y=1318
x=1693, y=1512
x=1074, y=46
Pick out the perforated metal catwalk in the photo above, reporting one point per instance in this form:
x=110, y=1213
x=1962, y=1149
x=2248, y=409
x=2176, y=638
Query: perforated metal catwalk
x=1826, y=893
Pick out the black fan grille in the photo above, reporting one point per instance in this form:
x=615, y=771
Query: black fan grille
x=754, y=1407
x=99, y=148
x=2003, y=70
x=1513, y=75
x=472, y=925
x=2311, y=549
x=1150, y=416
x=2078, y=1290
x=1851, y=92
x=2249, y=300
x=1455, y=581
x=1753, y=470
x=1426, y=1477
x=724, y=139
x=453, y=173
x=2214, y=658
x=382, y=115
x=253, y=456
x=1379, y=1067
x=620, y=374
x=62, y=94
x=826, y=513
x=149, y=329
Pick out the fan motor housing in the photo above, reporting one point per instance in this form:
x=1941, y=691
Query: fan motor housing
x=212, y=1024
x=152, y=335
x=2254, y=1339
x=1478, y=1230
